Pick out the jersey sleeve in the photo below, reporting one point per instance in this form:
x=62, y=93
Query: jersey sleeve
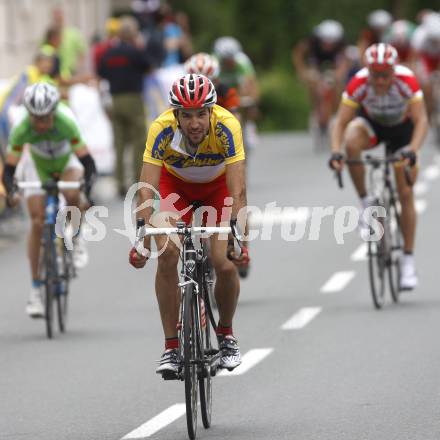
x=18, y=135
x=230, y=136
x=159, y=137
x=353, y=92
x=68, y=125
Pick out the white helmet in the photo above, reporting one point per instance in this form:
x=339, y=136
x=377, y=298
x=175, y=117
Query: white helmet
x=41, y=98
x=330, y=31
x=379, y=19
x=226, y=47
x=431, y=24
x=203, y=64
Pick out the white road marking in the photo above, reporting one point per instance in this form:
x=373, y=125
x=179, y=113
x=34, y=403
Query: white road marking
x=421, y=205
x=279, y=216
x=360, y=254
x=249, y=360
x=337, y=282
x=157, y=423
x=421, y=188
x=432, y=172
x=301, y=318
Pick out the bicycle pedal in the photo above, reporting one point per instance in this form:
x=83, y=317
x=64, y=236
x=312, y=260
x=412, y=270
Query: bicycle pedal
x=170, y=375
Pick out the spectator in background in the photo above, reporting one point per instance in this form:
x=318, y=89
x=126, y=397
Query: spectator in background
x=73, y=45
x=173, y=36
x=39, y=71
x=112, y=27
x=186, y=46
x=124, y=65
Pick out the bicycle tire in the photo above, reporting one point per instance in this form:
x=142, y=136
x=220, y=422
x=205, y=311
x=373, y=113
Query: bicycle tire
x=396, y=241
x=189, y=364
x=63, y=286
x=205, y=378
x=376, y=270
x=50, y=278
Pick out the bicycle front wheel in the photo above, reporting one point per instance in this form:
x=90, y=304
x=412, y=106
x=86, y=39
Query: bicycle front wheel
x=395, y=252
x=189, y=360
x=51, y=275
x=376, y=269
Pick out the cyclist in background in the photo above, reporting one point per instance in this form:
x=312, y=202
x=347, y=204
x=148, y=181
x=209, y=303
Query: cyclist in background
x=207, y=65
x=322, y=65
x=378, y=22
x=399, y=36
x=237, y=71
x=426, y=45
x=383, y=103
x=194, y=150
x=56, y=150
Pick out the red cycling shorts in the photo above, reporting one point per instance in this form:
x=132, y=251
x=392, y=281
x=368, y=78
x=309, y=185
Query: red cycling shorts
x=178, y=196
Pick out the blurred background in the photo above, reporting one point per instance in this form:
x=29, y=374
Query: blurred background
x=267, y=31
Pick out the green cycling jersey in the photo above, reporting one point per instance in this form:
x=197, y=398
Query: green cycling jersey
x=52, y=149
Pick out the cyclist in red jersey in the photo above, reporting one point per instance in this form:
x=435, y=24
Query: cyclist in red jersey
x=383, y=103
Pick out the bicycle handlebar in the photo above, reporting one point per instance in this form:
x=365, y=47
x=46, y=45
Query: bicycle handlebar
x=61, y=184
x=144, y=230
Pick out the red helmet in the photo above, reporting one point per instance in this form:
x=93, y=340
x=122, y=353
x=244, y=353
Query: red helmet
x=192, y=91
x=381, y=56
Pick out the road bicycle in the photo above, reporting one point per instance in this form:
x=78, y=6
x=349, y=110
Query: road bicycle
x=56, y=267
x=384, y=252
x=199, y=357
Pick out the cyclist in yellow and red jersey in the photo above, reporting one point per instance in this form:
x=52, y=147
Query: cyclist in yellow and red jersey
x=383, y=103
x=194, y=152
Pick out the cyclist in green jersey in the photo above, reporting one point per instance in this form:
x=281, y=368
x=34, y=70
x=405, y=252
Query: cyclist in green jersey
x=56, y=150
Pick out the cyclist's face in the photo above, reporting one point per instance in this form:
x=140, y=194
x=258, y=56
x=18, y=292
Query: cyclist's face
x=381, y=80
x=194, y=123
x=41, y=124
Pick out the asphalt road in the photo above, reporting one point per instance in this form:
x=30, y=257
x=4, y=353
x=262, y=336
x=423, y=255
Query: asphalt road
x=340, y=371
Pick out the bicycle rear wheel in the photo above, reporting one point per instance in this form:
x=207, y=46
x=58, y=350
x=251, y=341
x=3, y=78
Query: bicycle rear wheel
x=63, y=286
x=376, y=268
x=189, y=360
x=395, y=252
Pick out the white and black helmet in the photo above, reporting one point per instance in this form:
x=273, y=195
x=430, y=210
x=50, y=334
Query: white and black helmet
x=41, y=99
x=226, y=47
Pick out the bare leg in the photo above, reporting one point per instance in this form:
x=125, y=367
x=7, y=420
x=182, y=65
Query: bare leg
x=408, y=217
x=36, y=212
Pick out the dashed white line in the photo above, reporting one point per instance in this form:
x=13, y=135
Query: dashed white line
x=421, y=206
x=278, y=216
x=337, y=282
x=157, y=423
x=432, y=172
x=360, y=254
x=300, y=319
x=249, y=360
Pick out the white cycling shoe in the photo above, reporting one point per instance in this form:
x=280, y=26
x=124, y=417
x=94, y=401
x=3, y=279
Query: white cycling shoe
x=80, y=253
x=35, y=306
x=408, y=274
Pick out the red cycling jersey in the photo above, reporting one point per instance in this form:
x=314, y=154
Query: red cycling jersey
x=390, y=109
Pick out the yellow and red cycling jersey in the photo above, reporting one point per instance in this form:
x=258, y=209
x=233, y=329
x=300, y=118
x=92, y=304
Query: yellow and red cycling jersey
x=222, y=146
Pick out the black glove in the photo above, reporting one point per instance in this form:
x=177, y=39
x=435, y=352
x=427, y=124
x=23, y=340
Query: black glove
x=338, y=157
x=411, y=156
x=8, y=178
x=89, y=173
x=235, y=230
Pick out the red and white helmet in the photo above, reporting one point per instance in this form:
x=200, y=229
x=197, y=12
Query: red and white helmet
x=192, y=91
x=203, y=64
x=381, y=56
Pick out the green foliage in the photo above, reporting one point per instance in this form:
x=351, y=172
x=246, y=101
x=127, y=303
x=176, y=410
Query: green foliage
x=284, y=101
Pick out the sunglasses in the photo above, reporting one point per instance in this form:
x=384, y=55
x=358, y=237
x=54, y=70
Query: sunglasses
x=379, y=75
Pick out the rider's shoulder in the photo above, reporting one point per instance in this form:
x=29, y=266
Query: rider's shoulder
x=165, y=121
x=403, y=71
x=224, y=117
